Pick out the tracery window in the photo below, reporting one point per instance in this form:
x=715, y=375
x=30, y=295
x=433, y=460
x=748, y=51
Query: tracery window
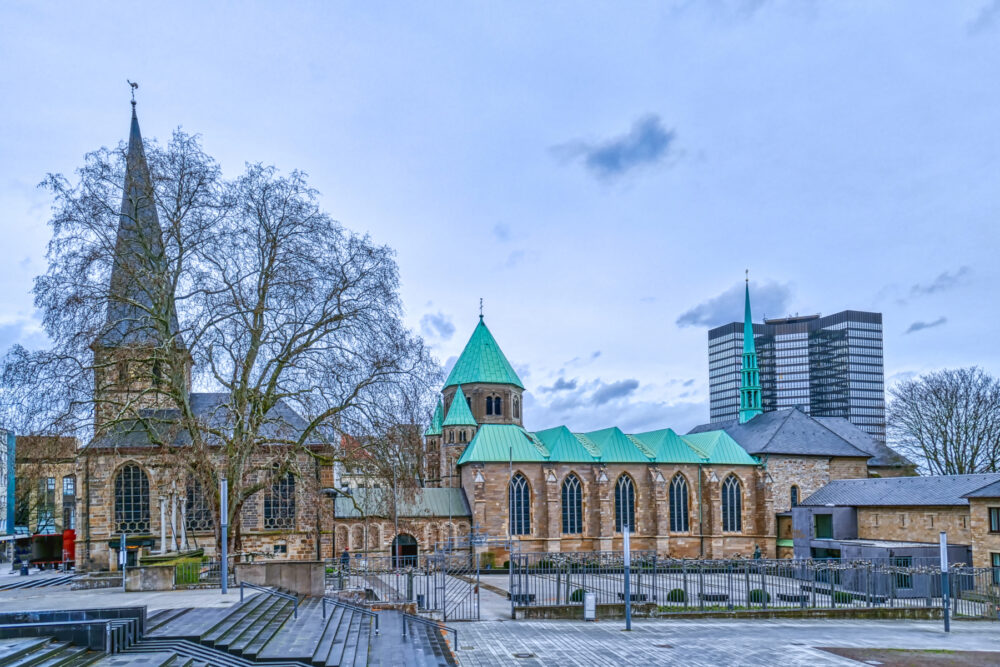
x=732, y=505
x=624, y=504
x=131, y=500
x=279, y=503
x=572, y=506
x=678, y=504
x=197, y=511
x=520, y=506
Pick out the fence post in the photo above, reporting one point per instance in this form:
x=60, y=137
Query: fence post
x=628, y=576
x=944, y=580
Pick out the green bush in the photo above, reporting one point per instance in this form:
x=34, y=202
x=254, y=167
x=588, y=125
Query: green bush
x=488, y=560
x=506, y=565
x=759, y=596
x=841, y=597
x=677, y=595
x=577, y=595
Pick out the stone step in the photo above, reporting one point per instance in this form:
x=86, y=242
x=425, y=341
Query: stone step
x=42, y=652
x=264, y=626
x=246, y=624
x=234, y=616
x=156, y=659
x=353, y=639
x=322, y=650
x=299, y=637
x=68, y=655
x=191, y=625
x=279, y=619
x=164, y=616
x=340, y=639
x=11, y=649
x=199, y=654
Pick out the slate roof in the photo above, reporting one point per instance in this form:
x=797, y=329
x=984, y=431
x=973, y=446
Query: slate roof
x=138, y=253
x=503, y=442
x=935, y=490
x=459, y=413
x=792, y=432
x=482, y=361
x=988, y=491
x=283, y=423
x=426, y=502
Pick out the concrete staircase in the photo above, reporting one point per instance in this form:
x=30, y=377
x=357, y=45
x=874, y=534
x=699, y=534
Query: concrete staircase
x=262, y=629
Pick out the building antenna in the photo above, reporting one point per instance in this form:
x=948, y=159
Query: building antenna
x=133, y=85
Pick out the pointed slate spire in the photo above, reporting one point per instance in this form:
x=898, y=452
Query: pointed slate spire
x=482, y=361
x=138, y=273
x=750, y=398
x=459, y=413
x=436, y=420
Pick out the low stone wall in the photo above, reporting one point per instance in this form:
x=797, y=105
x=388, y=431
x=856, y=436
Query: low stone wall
x=149, y=578
x=301, y=577
x=617, y=611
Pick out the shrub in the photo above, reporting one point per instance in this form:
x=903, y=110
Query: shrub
x=577, y=595
x=759, y=596
x=488, y=560
x=506, y=565
x=677, y=595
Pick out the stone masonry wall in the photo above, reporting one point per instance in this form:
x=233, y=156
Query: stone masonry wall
x=914, y=524
x=984, y=543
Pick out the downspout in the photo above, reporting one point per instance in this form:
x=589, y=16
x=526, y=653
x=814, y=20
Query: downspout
x=701, y=517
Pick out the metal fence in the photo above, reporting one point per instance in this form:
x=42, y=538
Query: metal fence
x=443, y=583
x=204, y=573
x=539, y=579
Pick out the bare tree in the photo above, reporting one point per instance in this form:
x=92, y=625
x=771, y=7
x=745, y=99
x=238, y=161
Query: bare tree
x=243, y=287
x=948, y=419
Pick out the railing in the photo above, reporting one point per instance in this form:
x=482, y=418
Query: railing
x=116, y=635
x=356, y=609
x=271, y=591
x=431, y=623
x=546, y=579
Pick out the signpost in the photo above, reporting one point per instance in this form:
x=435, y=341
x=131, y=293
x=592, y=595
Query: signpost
x=224, y=530
x=944, y=581
x=628, y=577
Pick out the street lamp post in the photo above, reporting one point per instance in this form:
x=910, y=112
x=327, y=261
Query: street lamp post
x=224, y=530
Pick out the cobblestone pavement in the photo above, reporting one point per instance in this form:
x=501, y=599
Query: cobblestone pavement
x=705, y=643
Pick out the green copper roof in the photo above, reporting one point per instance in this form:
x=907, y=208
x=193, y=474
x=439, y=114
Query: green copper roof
x=435, y=427
x=459, y=413
x=748, y=344
x=503, y=442
x=482, y=361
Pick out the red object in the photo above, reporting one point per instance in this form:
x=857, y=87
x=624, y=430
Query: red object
x=69, y=546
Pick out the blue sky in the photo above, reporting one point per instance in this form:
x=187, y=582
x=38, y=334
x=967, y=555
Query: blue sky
x=600, y=173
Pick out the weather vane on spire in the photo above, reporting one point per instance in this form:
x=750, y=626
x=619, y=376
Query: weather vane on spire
x=133, y=86
x=748, y=276
x=480, y=307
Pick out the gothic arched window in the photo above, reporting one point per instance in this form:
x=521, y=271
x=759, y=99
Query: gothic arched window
x=572, y=506
x=520, y=506
x=498, y=406
x=489, y=405
x=678, y=504
x=451, y=437
x=131, y=500
x=517, y=408
x=279, y=503
x=732, y=505
x=795, y=496
x=624, y=504
x=197, y=512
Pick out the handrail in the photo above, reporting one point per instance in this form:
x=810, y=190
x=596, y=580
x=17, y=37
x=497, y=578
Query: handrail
x=434, y=624
x=271, y=591
x=353, y=607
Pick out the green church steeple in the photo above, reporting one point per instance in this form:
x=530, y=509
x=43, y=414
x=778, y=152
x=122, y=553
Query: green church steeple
x=750, y=400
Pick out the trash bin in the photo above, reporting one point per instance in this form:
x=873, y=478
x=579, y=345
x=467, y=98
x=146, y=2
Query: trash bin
x=589, y=607
x=24, y=569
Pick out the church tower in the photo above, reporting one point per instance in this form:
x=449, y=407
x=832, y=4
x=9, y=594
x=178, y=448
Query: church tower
x=482, y=388
x=750, y=397
x=139, y=355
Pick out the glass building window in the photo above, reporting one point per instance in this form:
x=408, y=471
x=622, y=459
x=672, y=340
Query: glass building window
x=824, y=526
x=678, y=504
x=995, y=519
x=69, y=501
x=732, y=505
x=572, y=506
x=624, y=504
x=279, y=504
x=519, y=506
x=131, y=500
x=197, y=511
x=46, y=505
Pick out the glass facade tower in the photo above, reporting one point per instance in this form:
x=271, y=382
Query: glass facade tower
x=828, y=366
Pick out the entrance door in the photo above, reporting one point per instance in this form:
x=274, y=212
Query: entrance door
x=404, y=551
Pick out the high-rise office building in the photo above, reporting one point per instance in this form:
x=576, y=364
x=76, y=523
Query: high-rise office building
x=829, y=366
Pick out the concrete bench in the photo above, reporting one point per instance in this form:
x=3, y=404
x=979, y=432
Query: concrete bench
x=714, y=597
x=634, y=597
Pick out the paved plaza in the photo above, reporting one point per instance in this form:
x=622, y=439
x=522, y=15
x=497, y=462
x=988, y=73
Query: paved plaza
x=711, y=643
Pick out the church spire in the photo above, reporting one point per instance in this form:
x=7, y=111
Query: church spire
x=138, y=281
x=750, y=399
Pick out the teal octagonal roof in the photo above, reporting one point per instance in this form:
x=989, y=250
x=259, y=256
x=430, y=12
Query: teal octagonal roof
x=482, y=361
